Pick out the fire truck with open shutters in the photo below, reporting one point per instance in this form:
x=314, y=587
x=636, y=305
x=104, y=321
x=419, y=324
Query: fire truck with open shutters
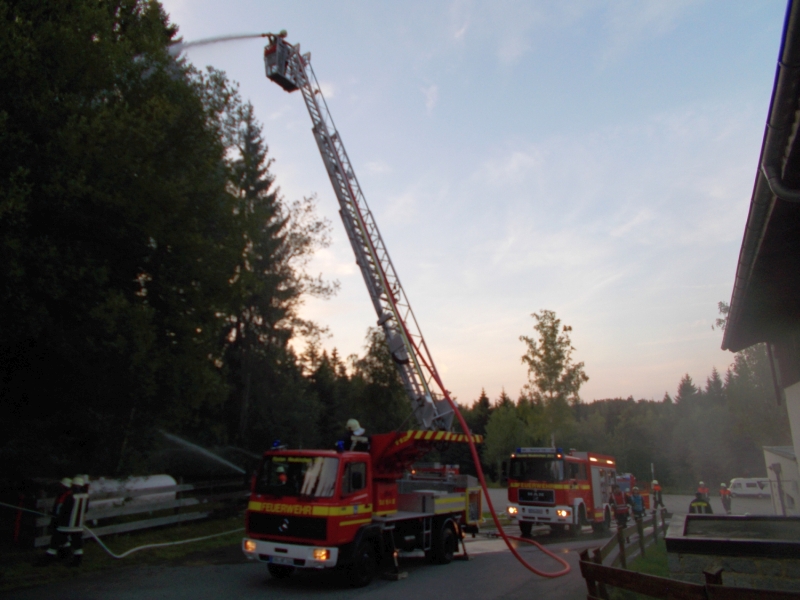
x=357, y=510
x=547, y=486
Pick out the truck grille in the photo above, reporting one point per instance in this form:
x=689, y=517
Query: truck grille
x=537, y=496
x=312, y=528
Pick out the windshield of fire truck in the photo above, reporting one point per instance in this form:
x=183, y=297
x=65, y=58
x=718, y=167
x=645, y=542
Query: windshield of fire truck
x=536, y=469
x=298, y=476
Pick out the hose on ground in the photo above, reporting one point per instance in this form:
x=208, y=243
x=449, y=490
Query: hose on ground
x=506, y=538
x=132, y=550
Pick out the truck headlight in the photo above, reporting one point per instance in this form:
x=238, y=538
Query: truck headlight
x=249, y=546
x=321, y=554
x=562, y=512
x=512, y=510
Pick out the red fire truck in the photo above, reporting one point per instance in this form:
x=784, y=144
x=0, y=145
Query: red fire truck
x=327, y=508
x=563, y=490
x=317, y=509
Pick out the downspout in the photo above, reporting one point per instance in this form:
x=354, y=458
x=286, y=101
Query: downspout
x=776, y=185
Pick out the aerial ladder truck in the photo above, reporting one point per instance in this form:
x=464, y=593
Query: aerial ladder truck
x=317, y=509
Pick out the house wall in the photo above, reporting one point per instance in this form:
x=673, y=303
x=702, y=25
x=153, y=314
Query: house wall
x=790, y=484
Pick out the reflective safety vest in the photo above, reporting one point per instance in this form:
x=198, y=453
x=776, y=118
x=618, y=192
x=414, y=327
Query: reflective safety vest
x=620, y=505
x=74, y=524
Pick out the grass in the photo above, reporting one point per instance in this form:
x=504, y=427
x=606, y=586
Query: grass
x=654, y=562
x=18, y=568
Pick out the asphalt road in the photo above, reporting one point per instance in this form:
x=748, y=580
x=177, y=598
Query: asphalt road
x=493, y=573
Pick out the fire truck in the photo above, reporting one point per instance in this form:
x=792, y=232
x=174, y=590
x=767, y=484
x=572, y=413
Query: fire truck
x=547, y=486
x=317, y=509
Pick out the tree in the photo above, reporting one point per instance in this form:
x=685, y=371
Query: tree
x=687, y=391
x=553, y=379
x=117, y=236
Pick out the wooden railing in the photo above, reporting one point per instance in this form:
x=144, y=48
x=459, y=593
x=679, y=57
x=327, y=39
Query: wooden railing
x=598, y=575
x=209, y=497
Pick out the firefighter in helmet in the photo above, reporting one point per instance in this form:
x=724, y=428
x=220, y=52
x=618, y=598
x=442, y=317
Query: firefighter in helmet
x=700, y=505
x=725, y=496
x=658, y=500
x=637, y=503
x=619, y=502
x=282, y=477
x=355, y=440
x=703, y=490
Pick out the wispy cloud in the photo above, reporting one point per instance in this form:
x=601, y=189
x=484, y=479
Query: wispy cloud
x=431, y=94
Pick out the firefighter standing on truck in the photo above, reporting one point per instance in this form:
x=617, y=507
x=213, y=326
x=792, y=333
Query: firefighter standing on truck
x=355, y=440
x=619, y=502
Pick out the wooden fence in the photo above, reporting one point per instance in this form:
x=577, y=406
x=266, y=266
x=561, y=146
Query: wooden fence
x=598, y=575
x=207, y=498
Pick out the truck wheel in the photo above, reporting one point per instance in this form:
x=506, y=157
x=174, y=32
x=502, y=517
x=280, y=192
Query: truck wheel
x=574, y=529
x=363, y=568
x=525, y=528
x=604, y=525
x=280, y=571
x=445, y=545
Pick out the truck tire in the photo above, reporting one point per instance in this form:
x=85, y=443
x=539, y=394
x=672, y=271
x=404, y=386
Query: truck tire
x=525, y=528
x=362, y=569
x=445, y=544
x=603, y=525
x=574, y=529
x=280, y=571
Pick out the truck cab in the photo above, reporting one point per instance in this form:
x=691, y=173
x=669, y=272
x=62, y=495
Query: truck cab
x=306, y=507
x=565, y=491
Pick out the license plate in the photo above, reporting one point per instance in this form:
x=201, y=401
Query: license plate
x=281, y=560
x=536, y=511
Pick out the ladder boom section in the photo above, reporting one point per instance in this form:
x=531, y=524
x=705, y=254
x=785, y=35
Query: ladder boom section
x=292, y=71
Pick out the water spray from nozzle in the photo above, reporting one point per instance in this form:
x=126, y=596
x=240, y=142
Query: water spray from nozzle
x=178, y=47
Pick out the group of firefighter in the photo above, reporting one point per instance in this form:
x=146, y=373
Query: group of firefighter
x=624, y=504
x=69, y=510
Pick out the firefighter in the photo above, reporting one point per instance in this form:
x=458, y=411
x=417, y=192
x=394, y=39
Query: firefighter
x=74, y=525
x=702, y=489
x=282, y=478
x=725, y=496
x=63, y=504
x=658, y=500
x=637, y=503
x=619, y=502
x=700, y=505
x=355, y=439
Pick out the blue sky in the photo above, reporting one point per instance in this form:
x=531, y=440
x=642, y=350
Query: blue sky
x=592, y=158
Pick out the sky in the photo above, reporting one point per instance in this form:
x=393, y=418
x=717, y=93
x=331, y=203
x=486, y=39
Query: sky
x=592, y=158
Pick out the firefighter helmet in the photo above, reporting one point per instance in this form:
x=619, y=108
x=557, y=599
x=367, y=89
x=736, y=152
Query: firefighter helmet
x=702, y=483
x=655, y=481
x=78, y=480
x=355, y=427
x=66, y=482
x=722, y=485
x=280, y=469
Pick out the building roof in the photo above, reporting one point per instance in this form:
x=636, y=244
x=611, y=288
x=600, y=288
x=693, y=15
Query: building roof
x=782, y=451
x=765, y=296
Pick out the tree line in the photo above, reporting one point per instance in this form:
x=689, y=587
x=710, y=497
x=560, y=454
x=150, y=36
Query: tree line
x=710, y=432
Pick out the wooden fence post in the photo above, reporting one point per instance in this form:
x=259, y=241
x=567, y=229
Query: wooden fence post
x=654, y=520
x=601, y=587
x=621, y=540
x=640, y=529
x=590, y=583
